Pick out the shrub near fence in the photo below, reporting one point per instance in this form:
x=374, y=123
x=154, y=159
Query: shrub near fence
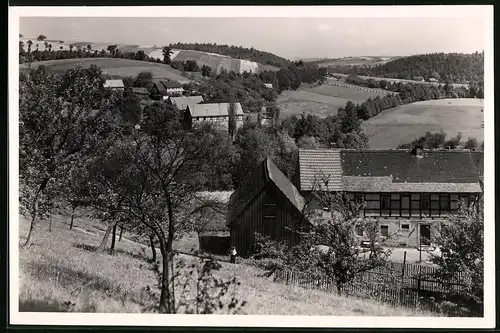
x=389, y=284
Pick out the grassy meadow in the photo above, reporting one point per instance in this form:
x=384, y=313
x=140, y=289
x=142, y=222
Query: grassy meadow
x=61, y=271
x=323, y=100
x=116, y=67
x=405, y=123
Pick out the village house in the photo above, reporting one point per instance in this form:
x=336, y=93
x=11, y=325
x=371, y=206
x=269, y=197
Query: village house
x=182, y=102
x=407, y=192
x=217, y=113
x=432, y=79
x=269, y=85
x=164, y=89
x=269, y=204
x=114, y=84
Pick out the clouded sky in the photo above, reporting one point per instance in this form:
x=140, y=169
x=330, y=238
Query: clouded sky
x=288, y=37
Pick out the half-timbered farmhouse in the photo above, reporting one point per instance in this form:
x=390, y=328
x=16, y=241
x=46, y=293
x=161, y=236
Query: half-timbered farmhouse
x=405, y=191
x=269, y=204
x=216, y=113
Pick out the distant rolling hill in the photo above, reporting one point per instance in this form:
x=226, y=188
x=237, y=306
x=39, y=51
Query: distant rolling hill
x=213, y=60
x=353, y=61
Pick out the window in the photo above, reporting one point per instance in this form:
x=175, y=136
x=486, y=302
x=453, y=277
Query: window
x=359, y=199
x=444, y=203
x=395, y=204
x=405, y=227
x=415, y=207
x=384, y=202
x=269, y=211
x=384, y=230
x=359, y=230
x=453, y=202
x=434, y=204
x=405, y=205
x=464, y=200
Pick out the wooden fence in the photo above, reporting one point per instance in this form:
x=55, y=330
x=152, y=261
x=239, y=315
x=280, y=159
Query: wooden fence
x=396, y=284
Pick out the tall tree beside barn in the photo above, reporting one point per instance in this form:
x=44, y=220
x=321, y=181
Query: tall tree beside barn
x=231, y=119
x=41, y=38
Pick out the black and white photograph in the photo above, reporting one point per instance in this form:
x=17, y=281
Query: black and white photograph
x=320, y=166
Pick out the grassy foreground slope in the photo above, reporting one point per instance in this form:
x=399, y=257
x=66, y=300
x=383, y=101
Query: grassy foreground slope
x=405, y=123
x=61, y=266
x=115, y=67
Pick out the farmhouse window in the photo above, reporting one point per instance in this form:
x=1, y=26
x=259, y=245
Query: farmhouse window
x=405, y=227
x=405, y=205
x=444, y=203
x=385, y=204
x=384, y=230
x=269, y=211
x=425, y=204
x=359, y=199
x=359, y=230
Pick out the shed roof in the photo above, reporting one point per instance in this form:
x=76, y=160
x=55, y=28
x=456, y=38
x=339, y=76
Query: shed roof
x=113, y=84
x=266, y=172
x=182, y=102
x=213, y=110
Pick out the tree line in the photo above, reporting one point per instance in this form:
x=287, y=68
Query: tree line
x=444, y=67
x=237, y=52
x=438, y=141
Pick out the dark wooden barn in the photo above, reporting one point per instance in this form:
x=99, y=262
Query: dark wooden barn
x=268, y=204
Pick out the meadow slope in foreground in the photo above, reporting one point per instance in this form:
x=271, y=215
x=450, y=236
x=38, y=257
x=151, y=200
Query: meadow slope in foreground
x=60, y=266
x=405, y=123
x=115, y=67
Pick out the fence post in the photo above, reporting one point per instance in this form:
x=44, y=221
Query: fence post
x=404, y=264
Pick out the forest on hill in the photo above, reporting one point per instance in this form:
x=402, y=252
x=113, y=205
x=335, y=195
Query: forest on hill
x=237, y=52
x=445, y=67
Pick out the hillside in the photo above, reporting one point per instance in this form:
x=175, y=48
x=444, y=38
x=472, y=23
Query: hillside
x=453, y=67
x=352, y=61
x=405, y=123
x=244, y=62
x=237, y=52
x=115, y=67
x=63, y=266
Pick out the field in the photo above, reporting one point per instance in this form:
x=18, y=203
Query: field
x=215, y=61
x=405, y=123
x=62, y=266
x=353, y=61
x=116, y=67
x=323, y=100
x=455, y=85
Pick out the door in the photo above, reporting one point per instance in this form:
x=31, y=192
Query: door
x=425, y=234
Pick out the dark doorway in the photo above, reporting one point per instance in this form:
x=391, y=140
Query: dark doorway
x=425, y=234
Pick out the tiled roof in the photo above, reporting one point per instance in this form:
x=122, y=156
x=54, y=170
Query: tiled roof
x=435, y=166
x=391, y=170
x=182, y=102
x=318, y=166
x=171, y=84
x=385, y=184
x=113, y=84
x=213, y=110
x=266, y=172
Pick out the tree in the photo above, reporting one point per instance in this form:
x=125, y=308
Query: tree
x=308, y=142
x=471, y=143
x=206, y=70
x=21, y=35
x=166, y=51
x=41, y=38
x=143, y=79
x=329, y=248
x=191, y=66
x=273, y=112
x=231, y=119
x=461, y=245
x=63, y=120
x=112, y=49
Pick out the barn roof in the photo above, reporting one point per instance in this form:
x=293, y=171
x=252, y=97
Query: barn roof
x=182, y=102
x=113, y=84
x=265, y=173
x=162, y=86
x=213, y=110
x=140, y=90
x=391, y=170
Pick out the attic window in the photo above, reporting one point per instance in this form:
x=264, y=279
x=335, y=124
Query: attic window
x=269, y=211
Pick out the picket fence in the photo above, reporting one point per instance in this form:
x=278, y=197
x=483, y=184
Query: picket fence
x=396, y=284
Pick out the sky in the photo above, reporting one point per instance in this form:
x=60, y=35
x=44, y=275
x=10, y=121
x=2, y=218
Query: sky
x=292, y=38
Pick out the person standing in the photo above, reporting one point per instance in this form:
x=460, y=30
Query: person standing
x=233, y=254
